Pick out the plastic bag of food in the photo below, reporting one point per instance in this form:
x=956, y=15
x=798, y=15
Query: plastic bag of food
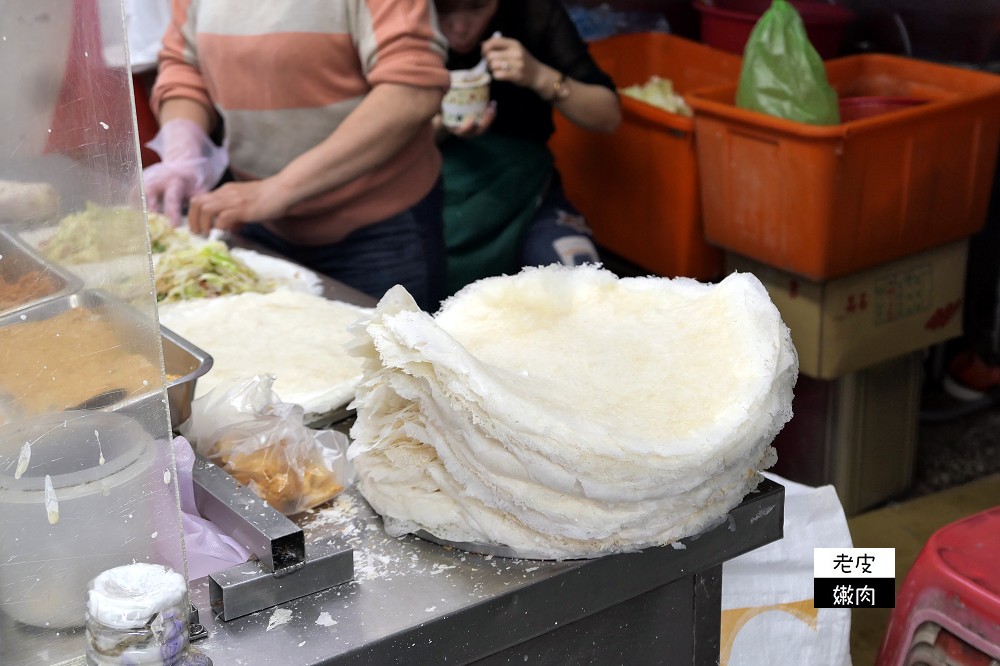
x=782, y=73
x=246, y=429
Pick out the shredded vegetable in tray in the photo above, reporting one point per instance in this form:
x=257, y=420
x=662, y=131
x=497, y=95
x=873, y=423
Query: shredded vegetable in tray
x=185, y=266
x=204, y=271
x=163, y=235
x=99, y=233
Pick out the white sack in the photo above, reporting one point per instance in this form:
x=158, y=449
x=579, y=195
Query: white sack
x=767, y=593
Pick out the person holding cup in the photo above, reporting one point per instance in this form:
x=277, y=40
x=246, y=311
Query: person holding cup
x=504, y=204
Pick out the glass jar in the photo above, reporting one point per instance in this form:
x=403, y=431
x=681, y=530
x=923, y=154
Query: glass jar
x=137, y=615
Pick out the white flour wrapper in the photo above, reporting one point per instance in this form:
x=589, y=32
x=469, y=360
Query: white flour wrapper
x=566, y=413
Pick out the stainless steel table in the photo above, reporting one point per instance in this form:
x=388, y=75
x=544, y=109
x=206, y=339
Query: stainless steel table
x=414, y=602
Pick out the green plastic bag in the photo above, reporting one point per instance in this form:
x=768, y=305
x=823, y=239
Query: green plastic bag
x=782, y=74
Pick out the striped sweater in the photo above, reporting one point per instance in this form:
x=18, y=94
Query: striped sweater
x=283, y=74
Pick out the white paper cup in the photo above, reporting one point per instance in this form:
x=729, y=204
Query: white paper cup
x=468, y=97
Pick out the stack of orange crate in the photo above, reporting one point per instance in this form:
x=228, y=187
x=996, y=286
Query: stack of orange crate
x=859, y=232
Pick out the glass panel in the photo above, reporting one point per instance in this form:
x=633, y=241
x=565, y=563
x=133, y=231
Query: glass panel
x=87, y=477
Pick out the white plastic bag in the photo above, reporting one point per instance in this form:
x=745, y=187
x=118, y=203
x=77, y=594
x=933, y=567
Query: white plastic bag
x=246, y=429
x=767, y=593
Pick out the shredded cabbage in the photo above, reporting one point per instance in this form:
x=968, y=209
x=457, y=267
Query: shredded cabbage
x=659, y=92
x=99, y=233
x=184, y=266
x=204, y=271
x=163, y=235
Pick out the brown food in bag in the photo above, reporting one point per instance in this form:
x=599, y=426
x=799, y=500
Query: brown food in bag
x=286, y=487
x=262, y=442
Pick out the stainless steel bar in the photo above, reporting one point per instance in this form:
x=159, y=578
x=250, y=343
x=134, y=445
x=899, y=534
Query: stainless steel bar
x=277, y=542
x=248, y=588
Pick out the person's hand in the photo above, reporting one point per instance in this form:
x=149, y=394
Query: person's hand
x=190, y=164
x=168, y=186
x=509, y=61
x=471, y=126
x=235, y=204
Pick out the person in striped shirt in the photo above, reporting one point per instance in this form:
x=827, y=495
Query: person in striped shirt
x=325, y=109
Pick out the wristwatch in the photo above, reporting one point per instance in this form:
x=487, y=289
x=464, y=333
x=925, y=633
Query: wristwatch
x=560, y=89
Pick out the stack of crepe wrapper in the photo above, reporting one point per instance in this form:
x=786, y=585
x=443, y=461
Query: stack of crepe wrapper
x=567, y=413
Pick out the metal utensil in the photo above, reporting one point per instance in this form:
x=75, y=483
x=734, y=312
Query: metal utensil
x=101, y=400
x=481, y=66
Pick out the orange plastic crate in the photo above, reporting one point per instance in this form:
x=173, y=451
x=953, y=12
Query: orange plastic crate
x=638, y=187
x=827, y=201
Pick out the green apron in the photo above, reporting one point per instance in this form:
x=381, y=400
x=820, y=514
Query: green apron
x=493, y=185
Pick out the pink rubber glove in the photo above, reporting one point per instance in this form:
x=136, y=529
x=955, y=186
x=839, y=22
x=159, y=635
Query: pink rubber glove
x=191, y=164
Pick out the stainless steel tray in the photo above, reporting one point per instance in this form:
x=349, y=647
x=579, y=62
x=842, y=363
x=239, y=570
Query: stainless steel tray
x=17, y=258
x=183, y=362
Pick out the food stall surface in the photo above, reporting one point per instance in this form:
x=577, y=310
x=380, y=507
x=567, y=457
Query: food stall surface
x=415, y=602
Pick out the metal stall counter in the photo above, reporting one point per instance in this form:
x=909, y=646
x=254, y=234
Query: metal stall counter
x=412, y=601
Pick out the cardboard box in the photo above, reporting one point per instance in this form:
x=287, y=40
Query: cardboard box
x=857, y=432
x=843, y=325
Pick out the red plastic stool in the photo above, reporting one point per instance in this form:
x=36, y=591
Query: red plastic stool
x=954, y=588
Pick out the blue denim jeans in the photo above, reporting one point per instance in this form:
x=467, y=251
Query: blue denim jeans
x=406, y=249
x=559, y=234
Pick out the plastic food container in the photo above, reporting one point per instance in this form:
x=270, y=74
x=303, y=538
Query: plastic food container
x=638, y=187
x=727, y=24
x=827, y=201
x=469, y=95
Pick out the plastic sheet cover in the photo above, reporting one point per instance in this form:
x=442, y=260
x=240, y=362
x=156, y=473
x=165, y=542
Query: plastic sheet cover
x=87, y=473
